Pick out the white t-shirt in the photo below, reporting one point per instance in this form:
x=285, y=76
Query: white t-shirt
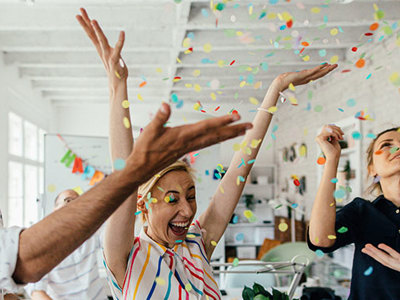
x=9, y=241
x=76, y=277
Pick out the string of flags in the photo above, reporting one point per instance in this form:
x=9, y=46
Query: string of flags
x=81, y=166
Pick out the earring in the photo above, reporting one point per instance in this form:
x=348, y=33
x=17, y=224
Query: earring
x=377, y=178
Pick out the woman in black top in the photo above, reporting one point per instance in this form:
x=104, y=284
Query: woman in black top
x=369, y=225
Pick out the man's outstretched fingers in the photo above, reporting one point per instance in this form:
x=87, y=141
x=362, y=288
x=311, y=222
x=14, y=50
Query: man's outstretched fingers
x=219, y=135
x=161, y=116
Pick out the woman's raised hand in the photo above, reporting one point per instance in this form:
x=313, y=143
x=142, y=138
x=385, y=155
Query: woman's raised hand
x=283, y=81
x=111, y=57
x=328, y=140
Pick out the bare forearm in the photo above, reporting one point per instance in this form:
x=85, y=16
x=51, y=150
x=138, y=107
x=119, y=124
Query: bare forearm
x=323, y=215
x=40, y=295
x=47, y=243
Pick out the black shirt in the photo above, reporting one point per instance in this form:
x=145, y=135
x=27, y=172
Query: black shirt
x=369, y=222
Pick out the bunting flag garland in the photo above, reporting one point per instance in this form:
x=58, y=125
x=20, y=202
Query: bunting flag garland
x=81, y=166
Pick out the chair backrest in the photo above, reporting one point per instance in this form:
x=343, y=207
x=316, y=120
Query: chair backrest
x=239, y=280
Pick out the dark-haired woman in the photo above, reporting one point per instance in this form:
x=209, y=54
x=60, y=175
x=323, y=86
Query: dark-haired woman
x=366, y=224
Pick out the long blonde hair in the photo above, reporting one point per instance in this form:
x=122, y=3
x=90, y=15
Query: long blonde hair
x=147, y=187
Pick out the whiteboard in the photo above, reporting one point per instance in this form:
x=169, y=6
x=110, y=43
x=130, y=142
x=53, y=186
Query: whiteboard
x=58, y=177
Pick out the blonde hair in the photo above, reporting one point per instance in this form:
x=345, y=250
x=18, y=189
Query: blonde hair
x=375, y=186
x=147, y=187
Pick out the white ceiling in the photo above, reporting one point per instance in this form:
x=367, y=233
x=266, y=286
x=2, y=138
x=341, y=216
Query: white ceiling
x=44, y=41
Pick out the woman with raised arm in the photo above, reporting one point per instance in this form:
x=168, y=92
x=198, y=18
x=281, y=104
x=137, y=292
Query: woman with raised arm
x=362, y=222
x=170, y=257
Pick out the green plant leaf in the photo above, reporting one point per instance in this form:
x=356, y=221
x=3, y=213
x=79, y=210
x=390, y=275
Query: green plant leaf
x=259, y=289
x=261, y=297
x=248, y=293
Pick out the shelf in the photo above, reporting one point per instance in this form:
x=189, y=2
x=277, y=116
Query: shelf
x=242, y=245
x=237, y=225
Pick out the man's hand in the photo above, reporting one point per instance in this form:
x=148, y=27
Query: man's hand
x=389, y=257
x=158, y=146
x=111, y=57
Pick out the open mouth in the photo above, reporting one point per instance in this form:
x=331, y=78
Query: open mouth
x=179, y=229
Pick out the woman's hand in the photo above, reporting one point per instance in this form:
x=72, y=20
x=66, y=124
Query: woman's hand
x=282, y=82
x=328, y=140
x=117, y=70
x=389, y=257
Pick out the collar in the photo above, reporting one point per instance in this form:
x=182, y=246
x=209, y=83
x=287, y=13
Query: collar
x=381, y=200
x=162, y=250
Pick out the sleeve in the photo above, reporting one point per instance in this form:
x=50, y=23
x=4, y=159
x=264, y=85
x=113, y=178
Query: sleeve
x=37, y=286
x=116, y=290
x=9, y=242
x=346, y=227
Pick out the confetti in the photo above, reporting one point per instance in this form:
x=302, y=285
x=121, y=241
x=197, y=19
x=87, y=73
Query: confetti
x=253, y=101
x=368, y=271
x=117, y=74
x=126, y=122
x=160, y=281
x=214, y=243
x=321, y=160
x=339, y=194
x=51, y=188
x=119, y=164
x=334, y=180
x=343, y=229
x=356, y=135
x=394, y=78
x=138, y=212
x=332, y=237
x=351, y=102
x=354, y=49
x=207, y=48
x=235, y=262
x=272, y=109
x=283, y=226
x=319, y=253
x=232, y=62
x=371, y=136
x=360, y=63
x=334, y=59
x=393, y=150
x=142, y=84
x=291, y=87
x=296, y=182
x=125, y=104
x=374, y=26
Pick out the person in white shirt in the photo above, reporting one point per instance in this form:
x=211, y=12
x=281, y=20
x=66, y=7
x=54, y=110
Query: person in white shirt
x=77, y=276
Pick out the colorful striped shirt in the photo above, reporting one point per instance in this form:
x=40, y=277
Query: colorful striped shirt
x=156, y=272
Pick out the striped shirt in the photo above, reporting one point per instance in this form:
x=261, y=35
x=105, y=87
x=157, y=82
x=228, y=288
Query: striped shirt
x=156, y=272
x=76, y=277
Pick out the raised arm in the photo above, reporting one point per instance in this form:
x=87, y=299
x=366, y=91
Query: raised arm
x=120, y=228
x=216, y=218
x=323, y=214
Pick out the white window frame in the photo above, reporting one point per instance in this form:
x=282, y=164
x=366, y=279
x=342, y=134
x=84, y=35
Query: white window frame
x=25, y=162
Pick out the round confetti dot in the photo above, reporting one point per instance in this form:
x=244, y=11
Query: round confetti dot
x=318, y=108
x=321, y=160
x=272, y=109
x=322, y=52
x=127, y=124
x=283, y=226
x=334, y=180
x=294, y=205
x=51, y=188
x=125, y=104
x=207, y=48
x=239, y=237
x=214, y=243
x=374, y=26
x=334, y=59
x=334, y=31
x=368, y=271
x=360, y=63
x=248, y=213
x=160, y=281
x=296, y=182
x=196, y=73
x=351, y=102
x=339, y=194
x=235, y=219
x=119, y=164
x=253, y=101
x=356, y=135
x=319, y=253
x=315, y=10
x=188, y=287
x=235, y=262
x=354, y=49
x=379, y=14
x=332, y=237
x=371, y=135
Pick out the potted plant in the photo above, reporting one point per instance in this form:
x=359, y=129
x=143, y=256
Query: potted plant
x=259, y=293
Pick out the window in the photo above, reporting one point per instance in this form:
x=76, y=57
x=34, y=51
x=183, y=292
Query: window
x=25, y=171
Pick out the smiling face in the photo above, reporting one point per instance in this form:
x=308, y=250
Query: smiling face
x=386, y=155
x=170, y=216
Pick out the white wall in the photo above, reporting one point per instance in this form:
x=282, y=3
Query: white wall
x=17, y=95
x=376, y=94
